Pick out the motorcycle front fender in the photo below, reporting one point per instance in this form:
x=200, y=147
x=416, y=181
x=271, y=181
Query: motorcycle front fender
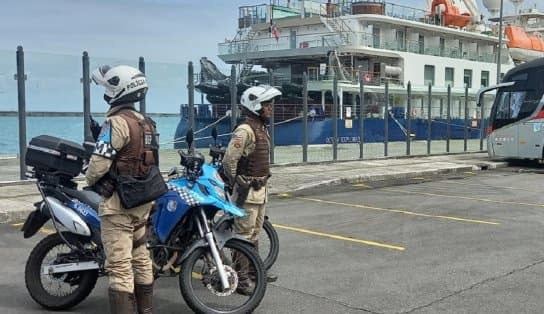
x=221, y=237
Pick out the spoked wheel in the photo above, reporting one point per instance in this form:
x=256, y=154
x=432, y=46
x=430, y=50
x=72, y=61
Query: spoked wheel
x=201, y=286
x=58, y=291
x=269, y=244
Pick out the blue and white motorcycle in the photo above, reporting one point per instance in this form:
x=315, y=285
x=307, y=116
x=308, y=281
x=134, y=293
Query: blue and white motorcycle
x=188, y=237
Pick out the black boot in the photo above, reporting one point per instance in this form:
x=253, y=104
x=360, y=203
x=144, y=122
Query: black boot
x=269, y=277
x=121, y=302
x=241, y=265
x=144, y=298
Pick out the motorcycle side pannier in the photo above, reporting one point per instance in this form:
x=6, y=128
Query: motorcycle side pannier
x=49, y=154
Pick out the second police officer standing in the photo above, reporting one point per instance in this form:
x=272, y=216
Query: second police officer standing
x=246, y=164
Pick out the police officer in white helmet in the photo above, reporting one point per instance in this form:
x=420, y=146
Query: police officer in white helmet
x=246, y=165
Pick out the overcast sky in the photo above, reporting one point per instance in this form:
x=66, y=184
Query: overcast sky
x=167, y=31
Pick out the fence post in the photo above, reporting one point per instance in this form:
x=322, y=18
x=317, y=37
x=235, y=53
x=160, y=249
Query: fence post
x=233, y=98
x=272, y=129
x=85, y=80
x=141, y=66
x=386, y=120
x=304, y=117
x=21, y=77
x=191, y=93
x=429, y=121
x=448, y=119
x=409, y=119
x=361, y=112
x=482, y=127
x=335, y=119
x=466, y=118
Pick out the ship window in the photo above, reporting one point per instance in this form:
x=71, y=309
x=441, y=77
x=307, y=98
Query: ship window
x=484, y=81
x=429, y=75
x=400, y=39
x=467, y=78
x=449, y=78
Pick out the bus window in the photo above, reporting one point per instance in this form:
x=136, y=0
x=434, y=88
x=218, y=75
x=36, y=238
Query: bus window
x=509, y=104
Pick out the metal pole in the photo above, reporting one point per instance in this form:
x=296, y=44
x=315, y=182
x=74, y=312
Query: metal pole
x=335, y=119
x=466, y=118
x=482, y=127
x=191, y=87
x=141, y=66
x=87, y=134
x=272, y=129
x=409, y=119
x=21, y=77
x=233, y=98
x=448, y=117
x=500, y=45
x=361, y=113
x=386, y=120
x=429, y=121
x=305, y=117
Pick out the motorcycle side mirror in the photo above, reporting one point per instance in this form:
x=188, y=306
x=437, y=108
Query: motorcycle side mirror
x=189, y=137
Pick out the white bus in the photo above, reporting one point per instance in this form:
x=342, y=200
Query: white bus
x=516, y=121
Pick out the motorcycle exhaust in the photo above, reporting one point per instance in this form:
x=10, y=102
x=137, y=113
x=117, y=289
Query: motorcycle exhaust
x=68, y=267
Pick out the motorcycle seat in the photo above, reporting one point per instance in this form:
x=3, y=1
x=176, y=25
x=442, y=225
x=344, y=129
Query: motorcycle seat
x=90, y=198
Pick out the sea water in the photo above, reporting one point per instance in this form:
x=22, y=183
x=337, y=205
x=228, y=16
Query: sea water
x=69, y=128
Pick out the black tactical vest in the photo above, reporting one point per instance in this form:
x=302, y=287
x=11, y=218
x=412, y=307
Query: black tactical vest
x=257, y=164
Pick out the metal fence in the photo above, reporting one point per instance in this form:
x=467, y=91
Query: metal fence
x=41, y=81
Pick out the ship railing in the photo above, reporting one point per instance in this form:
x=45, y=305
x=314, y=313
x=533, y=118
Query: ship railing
x=334, y=40
x=327, y=73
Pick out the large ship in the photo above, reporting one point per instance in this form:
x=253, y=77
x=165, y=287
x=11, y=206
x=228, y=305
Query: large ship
x=375, y=42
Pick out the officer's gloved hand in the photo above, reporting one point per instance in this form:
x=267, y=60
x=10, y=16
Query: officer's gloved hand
x=95, y=128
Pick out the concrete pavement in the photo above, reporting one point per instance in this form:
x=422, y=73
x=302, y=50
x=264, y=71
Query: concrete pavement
x=17, y=197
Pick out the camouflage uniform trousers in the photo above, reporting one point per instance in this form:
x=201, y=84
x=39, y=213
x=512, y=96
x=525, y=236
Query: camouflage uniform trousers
x=126, y=265
x=251, y=225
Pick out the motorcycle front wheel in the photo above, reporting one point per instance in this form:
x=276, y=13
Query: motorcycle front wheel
x=59, y=291
x=201, y=287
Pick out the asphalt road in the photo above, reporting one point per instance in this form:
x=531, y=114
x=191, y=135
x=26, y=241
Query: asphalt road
x=471, y=243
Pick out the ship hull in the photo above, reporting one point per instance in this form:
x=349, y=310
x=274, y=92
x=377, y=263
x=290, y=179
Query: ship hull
x=320, y=131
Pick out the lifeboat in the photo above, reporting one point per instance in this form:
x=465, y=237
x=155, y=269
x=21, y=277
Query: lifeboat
x=523, y=47
x=451, y=15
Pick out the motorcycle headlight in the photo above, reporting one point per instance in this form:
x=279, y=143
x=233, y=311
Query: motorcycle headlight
x=220, y=192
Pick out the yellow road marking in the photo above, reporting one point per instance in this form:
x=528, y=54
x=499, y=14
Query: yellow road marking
x=362, y=185
x=400, y=211
x=18, y=224
x=47, y=230
x=196, y=275
x=338, y=237
x=466, y=198
x=492, y=186
x=283, y=195
x=418, y=178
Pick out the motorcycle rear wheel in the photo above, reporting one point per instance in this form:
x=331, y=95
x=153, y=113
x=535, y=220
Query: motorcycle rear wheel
x=269, y=244
x=79, y=284
x=197, y=278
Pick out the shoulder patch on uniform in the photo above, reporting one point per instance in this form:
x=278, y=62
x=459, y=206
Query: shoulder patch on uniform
x=103, y=144
x=105, y=132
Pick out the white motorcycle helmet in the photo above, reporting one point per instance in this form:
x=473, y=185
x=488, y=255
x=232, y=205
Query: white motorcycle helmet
x=253, y=97
x=123, y=83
